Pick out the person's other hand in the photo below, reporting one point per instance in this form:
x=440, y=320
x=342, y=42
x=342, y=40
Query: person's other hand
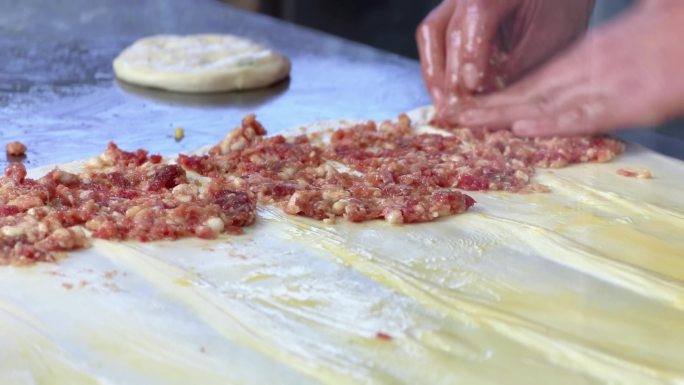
x=474, y=46
x=629, y=73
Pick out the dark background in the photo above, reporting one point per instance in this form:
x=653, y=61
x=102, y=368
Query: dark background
x=385, y=24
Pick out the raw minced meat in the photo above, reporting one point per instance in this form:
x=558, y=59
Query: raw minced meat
x=127, y=195
x=300, y=176
x=370, y=171
x=364, y=172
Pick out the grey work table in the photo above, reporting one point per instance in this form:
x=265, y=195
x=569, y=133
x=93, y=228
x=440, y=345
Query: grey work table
x=58, y=94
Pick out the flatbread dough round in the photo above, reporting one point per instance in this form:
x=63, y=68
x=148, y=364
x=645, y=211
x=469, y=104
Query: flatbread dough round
x=200, y=63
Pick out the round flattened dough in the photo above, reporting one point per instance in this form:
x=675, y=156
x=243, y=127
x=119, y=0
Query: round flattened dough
x=200, y=63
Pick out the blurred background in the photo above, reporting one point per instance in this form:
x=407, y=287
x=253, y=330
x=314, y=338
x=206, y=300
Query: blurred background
x=384, y=24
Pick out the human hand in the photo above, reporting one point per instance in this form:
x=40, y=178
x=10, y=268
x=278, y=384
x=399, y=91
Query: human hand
x=473, y=46
x=628, y=73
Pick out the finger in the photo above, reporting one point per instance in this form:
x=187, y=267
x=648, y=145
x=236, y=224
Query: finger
x=470, y=38
x=562, y=82
x=583, y=119
x=430, y=37
x=549, y=127
x=499, y=116
x=563, y=73
x=553, y=102
x=602, y=108
x=577, y=65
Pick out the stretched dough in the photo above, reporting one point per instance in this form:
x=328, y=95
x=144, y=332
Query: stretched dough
x=200, y=63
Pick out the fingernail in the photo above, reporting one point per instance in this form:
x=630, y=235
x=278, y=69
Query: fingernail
x=526, y=127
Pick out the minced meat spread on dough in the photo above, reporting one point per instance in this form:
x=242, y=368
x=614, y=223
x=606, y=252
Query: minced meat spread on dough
x=364, y=172
x=301, y=177
x=126, y=195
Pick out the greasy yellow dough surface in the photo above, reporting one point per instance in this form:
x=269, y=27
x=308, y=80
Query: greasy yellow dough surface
x=583, y=285
x=200, y=63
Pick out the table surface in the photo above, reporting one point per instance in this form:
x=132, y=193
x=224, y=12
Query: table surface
x=59, y=96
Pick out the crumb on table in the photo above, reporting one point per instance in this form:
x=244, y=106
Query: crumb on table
x=15, y=148
x=179, y=133
x=640, y=173
x=383, y=336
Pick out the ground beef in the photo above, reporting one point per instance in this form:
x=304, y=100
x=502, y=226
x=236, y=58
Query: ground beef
x=364, y=172
x=300, y=176
x=128, y=195
x=372, y=171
